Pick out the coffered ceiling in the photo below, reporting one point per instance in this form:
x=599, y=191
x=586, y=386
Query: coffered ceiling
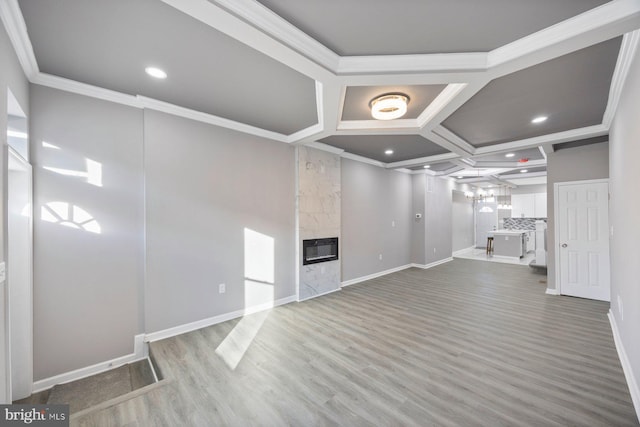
x=476, y=73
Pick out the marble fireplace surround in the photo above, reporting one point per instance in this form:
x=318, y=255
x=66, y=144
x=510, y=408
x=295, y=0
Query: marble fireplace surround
x=318, y=214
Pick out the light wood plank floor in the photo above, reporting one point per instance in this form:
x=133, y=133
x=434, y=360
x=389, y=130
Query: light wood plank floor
x=467, y=343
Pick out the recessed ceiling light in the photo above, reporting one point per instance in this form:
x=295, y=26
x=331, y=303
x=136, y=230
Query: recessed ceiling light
x=426, y=166
x=459, y=177
x=509, y=154
x=388, y=152
x=524, y=171
x=389, y=106
x=539, y=119
x=156, y=72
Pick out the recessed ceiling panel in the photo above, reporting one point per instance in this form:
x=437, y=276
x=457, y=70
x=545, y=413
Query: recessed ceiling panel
x=357, y=99
x=382, y=27
x=404, y=147
x=571, y=91
x=529, y=153
x=110, y=43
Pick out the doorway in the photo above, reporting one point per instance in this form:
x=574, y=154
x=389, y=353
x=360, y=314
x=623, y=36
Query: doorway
x=582, y=235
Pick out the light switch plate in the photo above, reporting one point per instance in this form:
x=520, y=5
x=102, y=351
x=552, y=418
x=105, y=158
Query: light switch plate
x=3, y=274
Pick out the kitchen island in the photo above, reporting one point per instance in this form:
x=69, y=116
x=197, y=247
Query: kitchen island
x=510, y=243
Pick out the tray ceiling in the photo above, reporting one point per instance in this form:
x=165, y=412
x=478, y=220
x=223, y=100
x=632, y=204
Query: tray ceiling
x=304, y=72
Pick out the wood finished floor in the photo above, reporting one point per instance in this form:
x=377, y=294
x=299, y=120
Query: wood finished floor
x=467, y=343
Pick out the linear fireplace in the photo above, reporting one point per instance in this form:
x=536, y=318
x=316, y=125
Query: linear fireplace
x=319, y=250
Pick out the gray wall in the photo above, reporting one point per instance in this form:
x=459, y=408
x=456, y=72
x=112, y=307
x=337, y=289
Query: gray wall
x=204, y=186
x=573, y=164
x=11, y=77
x=624, y=206
x=462, y=228
x=372, y=199
x=432, y=197
x=86, y=284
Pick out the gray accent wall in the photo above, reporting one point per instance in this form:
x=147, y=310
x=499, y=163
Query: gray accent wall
x=624, y=151
x=376, y=219
x=210, y=192
x=462, y=227
x=574, y=164
x=88, y=231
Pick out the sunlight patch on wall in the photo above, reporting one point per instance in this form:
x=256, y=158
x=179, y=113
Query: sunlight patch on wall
x=93, y=174
x=259, y=273
x=70, y=216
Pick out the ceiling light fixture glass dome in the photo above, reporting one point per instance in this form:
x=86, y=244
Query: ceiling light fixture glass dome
x=389, y=106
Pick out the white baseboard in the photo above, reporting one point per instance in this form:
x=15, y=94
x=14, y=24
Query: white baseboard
x=462, y=251
x=189, y=327
x=552, y=292
x=433, y=264
x=319, y=295
x=634, y=390
x=375, y=275
x=140, y=352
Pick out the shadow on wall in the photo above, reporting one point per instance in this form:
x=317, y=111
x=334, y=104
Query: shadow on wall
x=259, y=277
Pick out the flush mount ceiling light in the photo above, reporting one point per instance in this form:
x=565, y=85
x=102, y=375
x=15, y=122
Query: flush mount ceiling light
x=539, y=119
x=509, y=155
x=524, y=171
x=389, y=106
x=156, y=72
x=426, y=166
x=388, y=152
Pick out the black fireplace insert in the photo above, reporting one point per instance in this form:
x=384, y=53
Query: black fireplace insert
x=319, y=250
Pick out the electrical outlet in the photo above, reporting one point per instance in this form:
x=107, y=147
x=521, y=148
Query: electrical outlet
x=380, y=257
x=434, y=250
x=612, y=231
x=222, y=288
x=393, y=223
x=322, y=270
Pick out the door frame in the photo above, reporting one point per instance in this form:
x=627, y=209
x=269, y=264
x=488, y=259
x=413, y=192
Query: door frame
x=26, y=381
x=556, y=222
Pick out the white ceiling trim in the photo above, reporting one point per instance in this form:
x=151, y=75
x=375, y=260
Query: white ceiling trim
x=324, y=147
x=248, y=33
x=454, y=139
x=625, y=58
x=361, y=159
x=79, y=88
x=13, y=21
x=443, y=99
x=459, y=62
x=187, y=113
x=445, y=143
x=383, y=126
x=597, y=25
x=554, y=138
x=265, y=20
x=511, y=165
x=423, y=160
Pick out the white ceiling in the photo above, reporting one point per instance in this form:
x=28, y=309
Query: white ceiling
x=299, y=72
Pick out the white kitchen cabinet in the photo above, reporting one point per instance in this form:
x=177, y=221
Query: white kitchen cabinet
x=540, y=205
x=523, y=206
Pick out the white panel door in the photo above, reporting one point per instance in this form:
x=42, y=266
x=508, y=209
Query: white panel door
x=583, y=239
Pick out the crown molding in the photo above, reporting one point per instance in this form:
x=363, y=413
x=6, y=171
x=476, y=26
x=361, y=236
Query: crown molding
x=443, y=99
x=361, y=159
x=454, y=139
x=267, y=21
x=553, y=138
x=85, y=89
x=511, y=165
x=593, y=26
x=623, y=65
x=382, y=126
x=439, y=62
x=165, y=107
x=324, y=147
x=422, y=160
x=16, y=28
